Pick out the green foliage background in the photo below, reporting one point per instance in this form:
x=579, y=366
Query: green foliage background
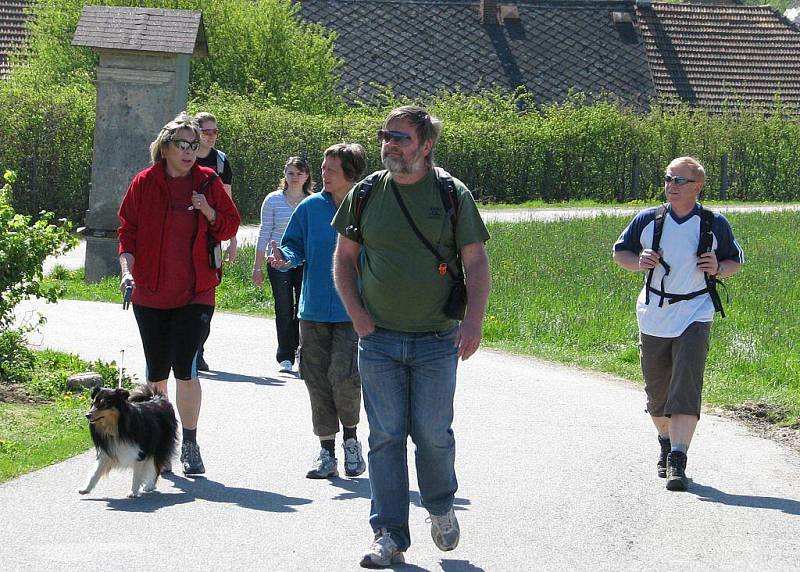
x=271, y=82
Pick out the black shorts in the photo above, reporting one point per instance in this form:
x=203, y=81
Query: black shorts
x=171, y=338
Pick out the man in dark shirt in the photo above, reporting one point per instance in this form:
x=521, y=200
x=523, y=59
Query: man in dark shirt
x=209, y=156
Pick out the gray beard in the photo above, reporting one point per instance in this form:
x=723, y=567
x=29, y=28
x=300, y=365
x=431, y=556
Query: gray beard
x=399, y=166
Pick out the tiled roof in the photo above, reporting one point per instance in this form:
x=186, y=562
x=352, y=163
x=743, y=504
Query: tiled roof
x=12, y=30
x=141, y=29
x=419, y=46
x=705, y=53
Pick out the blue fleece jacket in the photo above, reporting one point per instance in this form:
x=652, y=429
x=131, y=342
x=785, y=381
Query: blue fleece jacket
x=309, y=239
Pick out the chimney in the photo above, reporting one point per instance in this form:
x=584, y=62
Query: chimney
x=489, y=11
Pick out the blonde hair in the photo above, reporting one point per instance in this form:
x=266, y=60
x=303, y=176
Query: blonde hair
x=182, y=121
x=698, y=171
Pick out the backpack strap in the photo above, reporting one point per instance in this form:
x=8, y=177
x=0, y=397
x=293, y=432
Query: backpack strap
x=658, y=229
x=706, y=244
x=449, y=196
x=360, y=197
x=221, y=158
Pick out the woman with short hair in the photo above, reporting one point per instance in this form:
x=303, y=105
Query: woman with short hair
x=328, y=342
x=169, y=215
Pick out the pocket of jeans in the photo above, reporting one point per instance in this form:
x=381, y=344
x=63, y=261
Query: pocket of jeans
x=446, y=334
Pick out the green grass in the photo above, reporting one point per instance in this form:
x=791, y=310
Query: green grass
x=589, y=203
x=561, y=298
x=35, y=436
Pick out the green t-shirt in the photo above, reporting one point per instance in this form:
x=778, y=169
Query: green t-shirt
x=400, y=282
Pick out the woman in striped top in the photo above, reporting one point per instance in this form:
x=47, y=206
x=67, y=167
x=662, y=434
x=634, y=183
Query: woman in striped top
x=276, y=210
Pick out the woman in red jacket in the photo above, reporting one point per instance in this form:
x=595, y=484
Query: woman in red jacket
x=170, y=213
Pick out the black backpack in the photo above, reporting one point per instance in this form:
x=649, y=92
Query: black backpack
x=447, y=192
x=705, y=244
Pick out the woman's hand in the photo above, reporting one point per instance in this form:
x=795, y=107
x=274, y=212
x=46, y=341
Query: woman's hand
x=199, y=202
x=230, y=252
x=258, y=277
x=276, y=259
x=126, y=282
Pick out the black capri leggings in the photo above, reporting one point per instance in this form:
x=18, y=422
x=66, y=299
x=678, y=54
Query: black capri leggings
x=171, y=337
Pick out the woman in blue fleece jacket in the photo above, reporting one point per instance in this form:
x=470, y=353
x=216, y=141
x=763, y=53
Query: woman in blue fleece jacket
x=328, y=342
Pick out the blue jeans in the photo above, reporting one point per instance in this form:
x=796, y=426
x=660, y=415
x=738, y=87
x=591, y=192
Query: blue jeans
x=408, y=381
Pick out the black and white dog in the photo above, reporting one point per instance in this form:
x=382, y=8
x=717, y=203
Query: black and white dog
x=137, y=430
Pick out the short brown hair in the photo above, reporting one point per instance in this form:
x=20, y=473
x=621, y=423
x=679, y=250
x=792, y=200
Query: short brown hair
x=203, y=117
x=427, y=126
x=353, y=158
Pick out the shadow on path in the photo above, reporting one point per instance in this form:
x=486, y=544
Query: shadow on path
x=352, y=488
x=460, y=566
x=225, y=376
x=710, y=494
x=458, y=503
x=208, y=490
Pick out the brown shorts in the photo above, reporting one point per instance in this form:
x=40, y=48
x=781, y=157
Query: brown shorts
x=673, y=370
x=329, y=366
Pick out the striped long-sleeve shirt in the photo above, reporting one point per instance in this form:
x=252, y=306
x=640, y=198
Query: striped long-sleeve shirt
x=275, y=215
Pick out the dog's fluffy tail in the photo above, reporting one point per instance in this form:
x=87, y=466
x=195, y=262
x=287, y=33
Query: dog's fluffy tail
x=144, y=392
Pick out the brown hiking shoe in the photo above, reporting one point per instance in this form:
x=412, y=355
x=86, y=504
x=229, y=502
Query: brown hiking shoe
x=676, y=471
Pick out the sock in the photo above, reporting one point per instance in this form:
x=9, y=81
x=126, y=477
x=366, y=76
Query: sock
x=189, y=435
x=680, y=447
x=330, y=445
x=350, y=433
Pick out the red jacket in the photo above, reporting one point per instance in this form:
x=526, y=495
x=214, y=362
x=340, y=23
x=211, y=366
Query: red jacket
x=143, y=212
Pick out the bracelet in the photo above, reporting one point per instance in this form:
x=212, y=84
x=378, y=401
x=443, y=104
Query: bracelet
x=258, y=270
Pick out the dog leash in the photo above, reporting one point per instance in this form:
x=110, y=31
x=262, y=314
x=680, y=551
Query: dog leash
x=121, y=368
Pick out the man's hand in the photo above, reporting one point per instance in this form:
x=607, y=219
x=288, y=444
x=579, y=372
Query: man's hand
x=468, y=338
x=276, y=259
x=648, y=259
x=363, y=324
x=258, y=277
x=231, y=251
x=708, y=263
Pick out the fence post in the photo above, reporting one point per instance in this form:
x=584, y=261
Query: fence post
x=725, y=180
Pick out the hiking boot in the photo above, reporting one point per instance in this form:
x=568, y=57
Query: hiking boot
x=445, y=530
x=191, y=459
x=324, y=466
x=676, y=471
x=382, y=552
x=286, y=366
x=666, y=447
x=354, y=463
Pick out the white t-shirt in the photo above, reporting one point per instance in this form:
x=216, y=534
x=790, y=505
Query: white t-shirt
x=679, y=240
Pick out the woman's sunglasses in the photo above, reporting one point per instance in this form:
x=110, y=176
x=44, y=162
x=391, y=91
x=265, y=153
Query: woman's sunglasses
x=210, y=131
x=185, y=145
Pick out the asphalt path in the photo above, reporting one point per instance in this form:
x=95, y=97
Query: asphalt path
x=556, y=469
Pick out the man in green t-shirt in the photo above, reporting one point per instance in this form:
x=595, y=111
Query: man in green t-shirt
x=394, y=289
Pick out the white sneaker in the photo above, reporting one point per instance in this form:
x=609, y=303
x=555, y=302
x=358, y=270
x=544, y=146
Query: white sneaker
x=382, y=552
x=354, y=464
x=286, y=366
x=445, y=530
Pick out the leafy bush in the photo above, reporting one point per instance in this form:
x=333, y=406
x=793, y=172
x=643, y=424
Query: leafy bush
x=16, y=359
x=24, y=245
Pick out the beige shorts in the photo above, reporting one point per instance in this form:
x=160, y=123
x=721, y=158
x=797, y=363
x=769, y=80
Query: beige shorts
x=673, y=370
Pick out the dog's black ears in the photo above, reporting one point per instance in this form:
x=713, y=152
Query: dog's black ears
x=123, y=393
x=95, y=390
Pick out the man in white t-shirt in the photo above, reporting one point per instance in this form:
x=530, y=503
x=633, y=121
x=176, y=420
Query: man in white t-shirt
x=675, y=308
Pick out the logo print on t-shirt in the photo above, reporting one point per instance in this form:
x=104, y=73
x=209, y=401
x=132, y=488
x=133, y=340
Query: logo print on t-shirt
x=435, y=213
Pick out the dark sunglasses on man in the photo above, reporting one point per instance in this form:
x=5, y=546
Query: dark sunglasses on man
x=209, y=131
x=399, y=137
x=677, y=179
x=185, y=145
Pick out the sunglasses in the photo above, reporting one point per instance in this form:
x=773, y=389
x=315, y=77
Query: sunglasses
x=185, y=145
x=210, y=131
x=399, y=137
x=677, y=179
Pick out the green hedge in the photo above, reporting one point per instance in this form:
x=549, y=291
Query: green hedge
x=574, y=150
